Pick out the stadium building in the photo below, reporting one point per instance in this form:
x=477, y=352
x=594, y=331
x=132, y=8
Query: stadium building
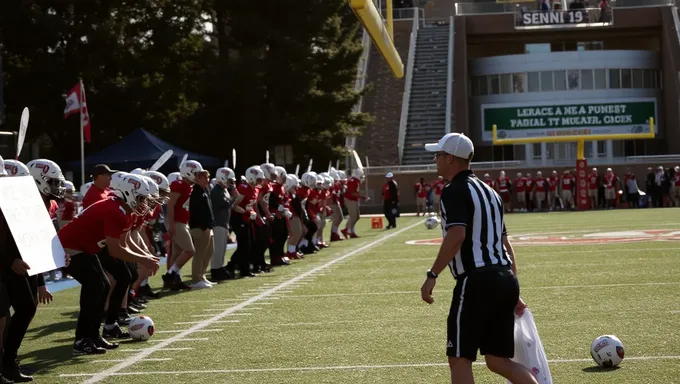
x=539, y=68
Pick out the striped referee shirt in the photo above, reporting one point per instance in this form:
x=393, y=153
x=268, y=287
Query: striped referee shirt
x=470, y=202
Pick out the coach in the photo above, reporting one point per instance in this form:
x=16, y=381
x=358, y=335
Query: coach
x=477, y=250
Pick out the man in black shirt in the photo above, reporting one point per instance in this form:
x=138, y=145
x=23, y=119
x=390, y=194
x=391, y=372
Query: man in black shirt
x=201, y=223
x=477, y=250
x=390, y=196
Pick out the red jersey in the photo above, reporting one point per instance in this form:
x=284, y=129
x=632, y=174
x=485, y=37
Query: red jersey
x=88, y=230
x=279, y=194
x=94, y=194
x=182, y=188
x=529, y=184
x=609, y=181
x=68, y=211
x=52, y=209
x=592, y=181
x=567, y=183
x=503, y=185
x=520, y=184
x=386, y=191
x=540, y=184
x=438, y=187
x=421, y=190
x=352, y=191
x=314, y=202
x=552, y=183
x=249, y=201
x=676, y=178
x=490, y=182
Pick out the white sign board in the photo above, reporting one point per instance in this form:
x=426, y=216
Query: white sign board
x=30, y=223
x=554, y=17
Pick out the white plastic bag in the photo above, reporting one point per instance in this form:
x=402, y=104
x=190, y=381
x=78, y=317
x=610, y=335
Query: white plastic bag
x=529, y=349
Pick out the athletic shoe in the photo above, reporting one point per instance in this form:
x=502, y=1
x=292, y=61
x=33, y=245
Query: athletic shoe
x=115, y=333
x=201, y=285
x=103, y=343
x=86, y=347
x=146, y=291
x=336, y=237
x=132, y=310
x=4, y=380
x=344, y=233
x=177, y=283
x=12, y=372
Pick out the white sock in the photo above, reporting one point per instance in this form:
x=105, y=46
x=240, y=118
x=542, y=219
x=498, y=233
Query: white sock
x=145, y=281
x=315, y=239
x=291, y=249
x=304, y=243
x=110, y=326
x=176, y=269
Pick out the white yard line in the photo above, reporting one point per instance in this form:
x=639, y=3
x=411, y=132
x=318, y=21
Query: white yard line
x=335, y=368
x=208, y=322
x=187, y=339
x=217, y=322
x=182, y=330
x=156, y=349
x=119, y=360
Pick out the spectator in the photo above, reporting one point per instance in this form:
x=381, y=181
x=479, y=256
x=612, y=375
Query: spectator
x=201, y=223
x=633, y=191
x=390, y=200
x=659, y=181
x=221, y=204
x=101, y=178
x=421, y=196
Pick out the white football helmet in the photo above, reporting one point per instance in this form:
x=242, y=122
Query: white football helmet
x=47, y=176
x=291, y=183
x=69, y=189
x=16, y=168
x=225, y=176
x=254, y=175
x=155, y=197
x=160, y=179
x=342, y=175
x=269, y=170
x=3, y=172
x=333, y=173
x=189, y=169
x=308, y=179
x=283, y=175
x=134, y=191
x=84, y=188
x=117, y=178
x=174, y=176
x=326, y=180
x=358, y=174
x=137, y=171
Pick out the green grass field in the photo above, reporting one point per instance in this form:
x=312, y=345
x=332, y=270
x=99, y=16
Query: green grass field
x=361, y=319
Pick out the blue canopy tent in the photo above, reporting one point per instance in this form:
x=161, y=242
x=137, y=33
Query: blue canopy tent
x=140, y=149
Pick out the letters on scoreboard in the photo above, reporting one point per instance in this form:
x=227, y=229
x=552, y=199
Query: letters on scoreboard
x=554, y=17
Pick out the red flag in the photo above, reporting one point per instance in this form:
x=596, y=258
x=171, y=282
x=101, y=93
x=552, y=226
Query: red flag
x=76, y=102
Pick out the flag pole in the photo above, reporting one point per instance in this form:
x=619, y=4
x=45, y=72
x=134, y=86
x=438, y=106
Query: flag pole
x=82, y=139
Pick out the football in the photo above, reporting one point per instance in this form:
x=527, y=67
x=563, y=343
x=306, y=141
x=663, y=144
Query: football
x=607, y=351
x=141, y=328
x=431, y=222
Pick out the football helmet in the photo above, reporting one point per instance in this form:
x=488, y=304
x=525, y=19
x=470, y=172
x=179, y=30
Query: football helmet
x=342, y=175
x=254, y=175
x=160, y=179
x=291, y=183
x=308, y=179
x=358, y=174
x=283, y=175
x=16, y=168
x=174, y=176
x=269, y=170
x=133, y=190
x=137, y=171
x=189, y=169
x=47, y=176
x=69, y=190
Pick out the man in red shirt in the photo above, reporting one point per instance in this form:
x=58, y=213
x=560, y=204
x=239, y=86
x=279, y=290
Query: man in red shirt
x=553, y=183
x=101, y=178
x=437, y=187
x=421, y=188
x=593, y=186
x=504, y=185
x=489, y=181
x=568, y=185
x=243, y=219
x=610, y=188
x=177, y=223
x=100, y=230
x=352, y=198
x=540, y=185
x=520, y=189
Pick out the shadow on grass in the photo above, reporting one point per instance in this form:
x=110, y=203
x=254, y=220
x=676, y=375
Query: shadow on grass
x=44, y=361
x=52, y=328
x=596, y=369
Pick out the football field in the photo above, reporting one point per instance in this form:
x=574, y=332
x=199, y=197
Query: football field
x=353, y=313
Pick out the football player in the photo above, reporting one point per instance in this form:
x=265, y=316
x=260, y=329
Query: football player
x=244, y=218
x=299, y=215
x=352, y=197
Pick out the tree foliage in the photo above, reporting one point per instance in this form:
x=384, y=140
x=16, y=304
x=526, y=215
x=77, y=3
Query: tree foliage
x=207, y=75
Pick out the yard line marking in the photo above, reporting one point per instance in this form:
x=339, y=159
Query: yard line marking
x=119, y=360
x=182, y=330
x=188, y=339
x=334, y=368
x=217, y=322
x=205, y=323
x=155, y=349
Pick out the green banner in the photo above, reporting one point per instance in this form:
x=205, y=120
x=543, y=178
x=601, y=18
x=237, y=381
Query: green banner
x=598, y=117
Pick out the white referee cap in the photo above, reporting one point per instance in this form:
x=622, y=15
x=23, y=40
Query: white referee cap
x=389, y=175
x=455, y=144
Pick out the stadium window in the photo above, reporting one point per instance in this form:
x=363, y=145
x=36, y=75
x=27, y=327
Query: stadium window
x=537, y=151
x=518, y=82
x=537, y=48
x=483, y=86
x=474, y=86
x=560, y=80
x=550, y=150
x=587, y=79
x=506, y=83
x=600, y=79
x=614, y=79
x=601, y=148
x=495, y=85
x=547, y=81
x=648, y=78
x=533, y=80
x=637, y=78
x=619, y=148
x=626, y=78
x=573, y=79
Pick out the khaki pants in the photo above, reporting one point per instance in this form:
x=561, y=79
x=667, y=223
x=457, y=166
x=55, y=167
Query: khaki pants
x=521, y=197
x=420, y=204
x=295, y=231
x=353, y=212
x=436, y=201
x=182, y=241
x=552, y=195
x=609, y=193
x=205, y=245
x=336, y=215
x=566, y=196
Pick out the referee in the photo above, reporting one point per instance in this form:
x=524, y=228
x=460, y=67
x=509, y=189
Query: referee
x=477, y=250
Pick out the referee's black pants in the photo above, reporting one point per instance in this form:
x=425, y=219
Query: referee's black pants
x=22, y=292
x=119, y=270
x=241, y=258
x=263, y=235
x=388, y=210
x=88, y=271
x=279, y=236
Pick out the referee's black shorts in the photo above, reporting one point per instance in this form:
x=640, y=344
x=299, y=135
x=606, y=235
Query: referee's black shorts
x=482, y=315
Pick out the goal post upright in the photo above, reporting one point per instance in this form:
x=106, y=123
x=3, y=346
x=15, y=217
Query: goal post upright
x=581, y=162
